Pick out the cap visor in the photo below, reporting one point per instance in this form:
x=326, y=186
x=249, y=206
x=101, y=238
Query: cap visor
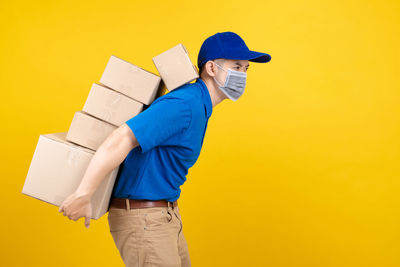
x=250, y=56
x=258, y=57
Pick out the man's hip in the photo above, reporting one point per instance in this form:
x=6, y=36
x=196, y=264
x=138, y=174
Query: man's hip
x=148, y=232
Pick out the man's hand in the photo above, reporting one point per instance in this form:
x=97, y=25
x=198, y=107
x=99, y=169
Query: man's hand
x=76, y=206
x=108, y=156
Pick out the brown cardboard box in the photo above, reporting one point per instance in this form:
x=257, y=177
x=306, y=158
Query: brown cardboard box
x=111, y=106
x=56, y=170
x=130, y=80
x=175, y=67
x=88, y=131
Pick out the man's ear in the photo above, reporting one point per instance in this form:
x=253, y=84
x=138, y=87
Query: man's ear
x=210, y=68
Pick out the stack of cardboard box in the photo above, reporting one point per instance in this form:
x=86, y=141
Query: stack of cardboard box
x=60, y=159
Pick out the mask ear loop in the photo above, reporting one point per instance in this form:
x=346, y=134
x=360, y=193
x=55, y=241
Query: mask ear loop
x=215, y=78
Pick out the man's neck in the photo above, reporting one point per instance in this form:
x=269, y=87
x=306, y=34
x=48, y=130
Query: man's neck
x=215, y=94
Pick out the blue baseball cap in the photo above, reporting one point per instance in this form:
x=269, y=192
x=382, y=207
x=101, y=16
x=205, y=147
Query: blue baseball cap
x=228, y=45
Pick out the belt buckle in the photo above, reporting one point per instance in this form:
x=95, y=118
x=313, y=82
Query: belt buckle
x=170, y=204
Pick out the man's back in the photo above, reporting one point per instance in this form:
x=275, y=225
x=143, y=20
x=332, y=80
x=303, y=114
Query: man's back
x=170, y=133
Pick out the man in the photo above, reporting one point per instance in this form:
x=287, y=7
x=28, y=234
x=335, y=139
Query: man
x=156, y=149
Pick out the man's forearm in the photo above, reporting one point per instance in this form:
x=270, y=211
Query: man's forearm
x=108, y=156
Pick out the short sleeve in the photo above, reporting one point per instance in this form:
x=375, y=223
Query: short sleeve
x=164, y=118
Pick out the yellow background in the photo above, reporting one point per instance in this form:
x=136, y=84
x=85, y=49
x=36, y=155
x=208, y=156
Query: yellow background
x=303, y=170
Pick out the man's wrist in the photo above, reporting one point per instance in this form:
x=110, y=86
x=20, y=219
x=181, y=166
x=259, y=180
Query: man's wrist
x=84, y=192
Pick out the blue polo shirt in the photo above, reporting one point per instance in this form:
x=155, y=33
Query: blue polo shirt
x=170, y=133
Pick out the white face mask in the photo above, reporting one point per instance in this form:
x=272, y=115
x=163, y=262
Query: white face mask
x=234, y=85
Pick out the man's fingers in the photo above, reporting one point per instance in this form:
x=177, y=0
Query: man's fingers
x=87, y=222
x=67, y=211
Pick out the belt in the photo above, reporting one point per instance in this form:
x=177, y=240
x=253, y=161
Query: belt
x=125, y=203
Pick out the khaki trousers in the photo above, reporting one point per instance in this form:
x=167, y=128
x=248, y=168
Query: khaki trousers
x=149, y=236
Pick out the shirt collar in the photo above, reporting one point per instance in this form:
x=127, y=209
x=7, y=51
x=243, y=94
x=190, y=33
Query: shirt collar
x=206, y=97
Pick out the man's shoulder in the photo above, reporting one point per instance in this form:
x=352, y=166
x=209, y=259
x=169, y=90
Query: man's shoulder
x=186, y=90
x=187, y=93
